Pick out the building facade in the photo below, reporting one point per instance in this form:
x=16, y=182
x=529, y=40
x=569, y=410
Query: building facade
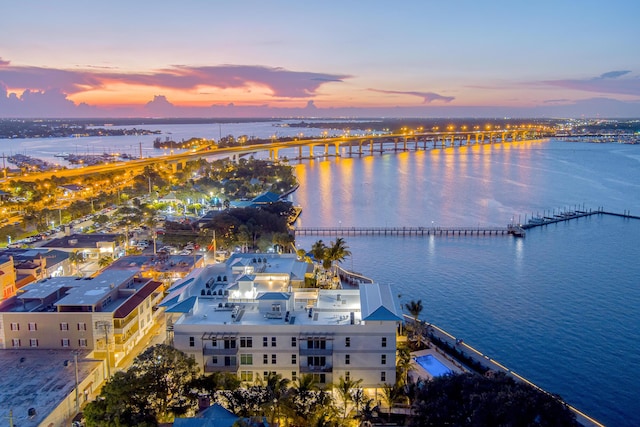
x=252, y=316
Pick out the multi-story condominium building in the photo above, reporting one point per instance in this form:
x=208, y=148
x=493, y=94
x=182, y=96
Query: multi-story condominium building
x=252, y=316
x=109, y=314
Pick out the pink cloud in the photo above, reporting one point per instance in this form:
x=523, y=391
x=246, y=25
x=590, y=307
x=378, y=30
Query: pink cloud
x=282, y=82
x=613, y=82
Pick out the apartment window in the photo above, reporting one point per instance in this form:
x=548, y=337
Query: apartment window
x=64, y=342
x=273, y=341
x=214, y=342
x=320, y=378
x=15, y=326
x=294, y=359
x=15, y=342
x=273, y=359
x=214, y=360
x=347, y=342
x=383, y=376
x=265, y=358
x=347, y=375
x=347, y=359
x=246, y=359
x=246, y=376
x=316, y=343
x=384, y=341
x=64, y=326
x=230, y=343
x=33, y=342
x=294, y=341
x=383, y=359
x=82, y=326
x=294, y=375
x=192, y=341
x=265, y=341
x=82, y=342
x=246, y=342
x=266, y=374
x=33, y=326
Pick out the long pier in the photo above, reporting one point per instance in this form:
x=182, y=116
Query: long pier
x=402, y=231
x=569, y=215
x=518, y=230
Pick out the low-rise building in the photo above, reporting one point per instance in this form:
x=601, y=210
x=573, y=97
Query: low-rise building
x=108, y=314
x=161, y=267
x=92, y=246
x=252, y=316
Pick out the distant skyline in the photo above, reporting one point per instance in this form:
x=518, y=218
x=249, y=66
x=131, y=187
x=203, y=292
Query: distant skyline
x=374, y=58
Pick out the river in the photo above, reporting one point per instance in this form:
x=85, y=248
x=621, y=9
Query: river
x=560, y=306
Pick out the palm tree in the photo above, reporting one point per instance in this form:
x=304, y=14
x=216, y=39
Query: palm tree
x=318, y=250
x=403, y=364
x=338, y=251
x=392, y=394
x=415, y=308
x=344, y=390
x=76, y=258
x=104, y=261
x=276, y=388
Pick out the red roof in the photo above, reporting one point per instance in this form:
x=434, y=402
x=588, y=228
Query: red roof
x=136, y=299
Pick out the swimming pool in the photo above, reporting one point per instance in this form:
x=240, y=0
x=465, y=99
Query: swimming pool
x=432, y=365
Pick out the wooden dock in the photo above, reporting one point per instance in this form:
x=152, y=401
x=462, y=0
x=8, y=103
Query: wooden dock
x=402, y=231
x=569, y=215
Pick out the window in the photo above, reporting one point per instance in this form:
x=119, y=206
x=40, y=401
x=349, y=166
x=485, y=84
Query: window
x=347, y=359
x=347, y=342
x=265, y=341
x=383, y=359
x=246, y=376
x=294, y=342
x=33, y=326
x=230, y=343
x=320, y=378
x=15, y=327
x=316, y=343
x=246, y=359
x=265, y=358
x=82, y=326
x=294, y=359
x=192, y=341
x=15, y=342
x=64, y=326
x=383, y=376
x=64, y=342
x=273, y=359
x=246, y=342
x=82, y=342
x=273, y=341
x=384, y=341
x=33, y=342
x=316, y=361
x=214, y=360
x=347, y=375
x=294, y=375
x=266, y=374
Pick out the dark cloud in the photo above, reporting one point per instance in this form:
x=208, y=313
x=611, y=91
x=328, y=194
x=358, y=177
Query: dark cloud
x=612, y=74
x=281, y=82
x=427, y=97
x=609, y=82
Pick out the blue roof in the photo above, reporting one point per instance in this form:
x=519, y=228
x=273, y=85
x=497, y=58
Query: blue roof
x=169, y=302
x=183, y=307
x=213, y=416
x=378, y=303
x=180, y=285
x=266, y=197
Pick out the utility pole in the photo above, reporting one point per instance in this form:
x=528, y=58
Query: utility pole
x=105, y=325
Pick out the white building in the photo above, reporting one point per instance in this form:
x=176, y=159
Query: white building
x=252, y=316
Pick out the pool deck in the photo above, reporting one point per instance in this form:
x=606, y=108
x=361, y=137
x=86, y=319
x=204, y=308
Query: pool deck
x=418, y=371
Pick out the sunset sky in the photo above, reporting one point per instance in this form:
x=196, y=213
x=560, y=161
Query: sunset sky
x=274, y=58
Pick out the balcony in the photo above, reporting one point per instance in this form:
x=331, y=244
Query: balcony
x=316, y=369
x=220, y=368
x=209, y=351
x=315, y=351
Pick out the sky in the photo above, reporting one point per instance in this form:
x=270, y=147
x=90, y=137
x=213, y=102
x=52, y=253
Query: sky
x=346, y=58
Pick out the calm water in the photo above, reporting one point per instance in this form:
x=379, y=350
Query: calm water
x=560, y=307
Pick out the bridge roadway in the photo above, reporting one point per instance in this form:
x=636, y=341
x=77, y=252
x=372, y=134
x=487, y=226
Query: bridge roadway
x=375, y=144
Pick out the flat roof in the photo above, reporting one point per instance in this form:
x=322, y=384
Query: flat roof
x=81, y=241
x=38, y=379
x=90, y=292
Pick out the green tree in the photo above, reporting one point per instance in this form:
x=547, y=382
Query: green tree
x=338, y=251
x=76, y=258
x=415, y=308
x=344, y=390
